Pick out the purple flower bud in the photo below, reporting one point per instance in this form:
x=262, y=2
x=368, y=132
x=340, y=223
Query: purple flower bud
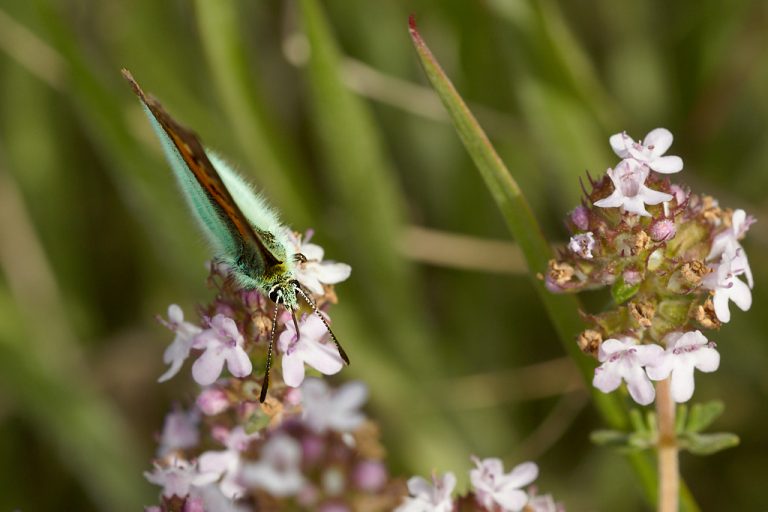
x=580, y=218
x=663, y=229
x=194, y=504
x=369, y=475
x=212, y=401
x=312, y=447
x=632, y=276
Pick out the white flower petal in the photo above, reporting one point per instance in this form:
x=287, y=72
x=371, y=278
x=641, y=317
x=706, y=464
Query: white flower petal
x=682, y=385
x=333, y=273
x=614, y=200
x=313, y=252
x=522, y=474
x=606, y=380
x=512, y=500
x=207, y=368
x=619, y=143
x=667, y=164
x=640, y=388
x=720, y=301
x=323, y=357
x=293, y=370
x=173, y=370
x=650, y=196
x=740, y=294
x=238, y=363
x=660, y=139
x=661, y=369
x=707, y=359
x=635, y=205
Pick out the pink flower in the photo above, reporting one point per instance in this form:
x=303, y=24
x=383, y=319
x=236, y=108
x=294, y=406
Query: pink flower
x=494, y=488
x=178, y=478
x=649, y=151
x=369, y=475
x=624, y=360
x=315, y=272
x=178, y=350
x=426, y=497
x=582, y=245
x=279, y=470
x=222, y=342
x=728, y=242
x=685, y=351
x=226, y=464
x=328, y=409
x=212, y=401
x=179, y=431
x=630, y=192
x=311, y=348
x=727, y=287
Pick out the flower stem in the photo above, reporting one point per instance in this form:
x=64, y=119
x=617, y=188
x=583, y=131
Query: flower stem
x=669, y=471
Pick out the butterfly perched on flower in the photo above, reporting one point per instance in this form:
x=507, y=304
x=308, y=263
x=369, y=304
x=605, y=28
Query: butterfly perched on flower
x=242, y=228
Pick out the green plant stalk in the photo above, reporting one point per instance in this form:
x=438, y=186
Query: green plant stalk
x=268, y=150
x=562, y=309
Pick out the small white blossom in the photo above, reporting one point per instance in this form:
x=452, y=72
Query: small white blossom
x=226, y=464
x=178, y=350
x=222, y=342
x=728, y=242
x=685, y=351
x=278, y=472
x=630, y=192
x=426, y=497
x=649, y=151
x=582, y=244
x=178, y=478
x=314, y=272
x=727, y=287
x=328, y=409
x=624, y=360
x=312, y=348
x=495, y=489
x=179, y=431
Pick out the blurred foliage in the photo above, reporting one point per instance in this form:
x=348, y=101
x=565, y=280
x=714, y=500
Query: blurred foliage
x=346, y=138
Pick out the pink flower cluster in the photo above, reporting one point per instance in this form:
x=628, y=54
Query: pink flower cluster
x=493, y=490
x=674, y=263
x=226, y=336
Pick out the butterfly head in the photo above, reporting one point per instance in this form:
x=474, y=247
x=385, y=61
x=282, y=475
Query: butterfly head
x=285, y=292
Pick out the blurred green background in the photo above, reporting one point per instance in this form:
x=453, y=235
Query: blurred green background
x=329, y=113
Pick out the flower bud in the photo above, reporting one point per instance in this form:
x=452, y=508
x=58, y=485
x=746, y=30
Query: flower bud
x=580, y=218
x=212, y=401
x=662, y=230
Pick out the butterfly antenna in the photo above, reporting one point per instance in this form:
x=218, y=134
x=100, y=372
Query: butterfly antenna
x=325, y=323
x=296, y=324
x=265, y=382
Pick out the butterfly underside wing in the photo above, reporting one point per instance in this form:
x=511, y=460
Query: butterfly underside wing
x=244, y=231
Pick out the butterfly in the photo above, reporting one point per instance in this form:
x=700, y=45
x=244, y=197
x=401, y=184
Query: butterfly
x=242, y=228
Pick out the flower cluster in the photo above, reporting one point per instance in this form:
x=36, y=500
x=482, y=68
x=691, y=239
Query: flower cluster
x=673, y=261
x=313, y=451
x=308, y=446
x=493, y=490
x=239, y=323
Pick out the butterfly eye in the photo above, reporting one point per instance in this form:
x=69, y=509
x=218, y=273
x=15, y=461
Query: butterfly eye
x=276, y=294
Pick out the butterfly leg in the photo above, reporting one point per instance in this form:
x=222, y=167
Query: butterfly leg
x=265, y=382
